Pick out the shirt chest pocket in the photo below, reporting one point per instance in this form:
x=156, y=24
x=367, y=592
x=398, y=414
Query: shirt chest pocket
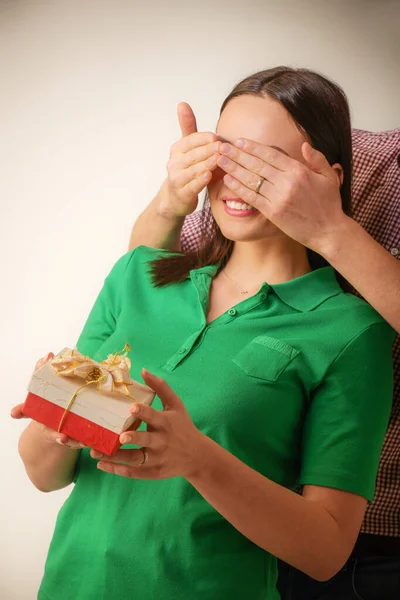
x=265, y=358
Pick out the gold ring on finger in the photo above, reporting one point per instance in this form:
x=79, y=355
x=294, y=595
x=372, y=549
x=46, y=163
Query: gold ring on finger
x=145, y=456
x=259, y=184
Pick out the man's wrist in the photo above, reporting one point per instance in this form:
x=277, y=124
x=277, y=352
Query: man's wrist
x=165, y=205
x=334, y=243
x=170, y=207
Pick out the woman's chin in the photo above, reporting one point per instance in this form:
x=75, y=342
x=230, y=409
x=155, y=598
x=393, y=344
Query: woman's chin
x=243, y=234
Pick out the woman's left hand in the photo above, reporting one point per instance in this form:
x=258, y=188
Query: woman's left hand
x=169, y=447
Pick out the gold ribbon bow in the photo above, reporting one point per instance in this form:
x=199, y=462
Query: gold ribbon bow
x=111, y=375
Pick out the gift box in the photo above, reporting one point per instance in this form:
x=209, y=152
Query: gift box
x=88, y=401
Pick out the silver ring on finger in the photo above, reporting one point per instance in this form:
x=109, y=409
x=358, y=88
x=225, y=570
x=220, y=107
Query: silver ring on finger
x=259, y=184
x=145, y=457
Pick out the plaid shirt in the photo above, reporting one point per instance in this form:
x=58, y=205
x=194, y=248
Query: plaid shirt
x=376, y=206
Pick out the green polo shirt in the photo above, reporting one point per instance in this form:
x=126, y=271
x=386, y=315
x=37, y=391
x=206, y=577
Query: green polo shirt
x=296, y=381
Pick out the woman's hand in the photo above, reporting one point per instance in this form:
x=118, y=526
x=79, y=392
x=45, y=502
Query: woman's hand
x=303, y=200
x=192, y=160
x=49, y=434
x=170, y=447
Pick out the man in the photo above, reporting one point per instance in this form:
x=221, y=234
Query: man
x=365, y=250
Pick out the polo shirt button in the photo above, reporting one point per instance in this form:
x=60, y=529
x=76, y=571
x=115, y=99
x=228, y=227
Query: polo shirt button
x=182, y=351
x=232, y=311
x=394, y=251
x=263, y=296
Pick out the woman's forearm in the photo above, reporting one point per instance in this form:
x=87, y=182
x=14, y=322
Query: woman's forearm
x=49, y=466
x=289, y=526
x=156, y=226
x=370, y=269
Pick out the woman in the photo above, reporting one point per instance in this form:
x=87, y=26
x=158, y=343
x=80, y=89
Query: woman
x=276, y=378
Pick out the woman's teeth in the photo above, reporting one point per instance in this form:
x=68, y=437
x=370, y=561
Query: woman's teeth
x=238, y=205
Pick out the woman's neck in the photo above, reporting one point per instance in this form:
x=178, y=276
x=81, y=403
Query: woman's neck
x=274, y=260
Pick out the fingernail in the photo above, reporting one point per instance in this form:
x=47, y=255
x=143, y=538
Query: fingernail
x=100, y=466
x=135, y=409
x=82, y=445
x=223, y=161
x=126, y=439
x=58, y=440
x=96, y=454
x=239, y=143
x=225, y=148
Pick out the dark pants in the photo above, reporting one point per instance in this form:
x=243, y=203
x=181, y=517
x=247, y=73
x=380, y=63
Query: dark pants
x=369, y=578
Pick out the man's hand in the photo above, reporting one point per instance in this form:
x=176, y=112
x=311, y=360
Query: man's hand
x=303, y=200
x=192, y=160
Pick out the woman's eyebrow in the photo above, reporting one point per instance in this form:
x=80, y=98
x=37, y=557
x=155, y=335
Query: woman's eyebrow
x=221, y=139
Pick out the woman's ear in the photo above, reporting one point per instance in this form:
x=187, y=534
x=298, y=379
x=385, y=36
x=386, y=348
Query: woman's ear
x=338, y=169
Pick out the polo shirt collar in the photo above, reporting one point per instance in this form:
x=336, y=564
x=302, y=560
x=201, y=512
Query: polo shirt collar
x=302, y=293
x=310, y=290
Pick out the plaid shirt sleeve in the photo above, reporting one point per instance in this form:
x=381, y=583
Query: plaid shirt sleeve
x=191, y=232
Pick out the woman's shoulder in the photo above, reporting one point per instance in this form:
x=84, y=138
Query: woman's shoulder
x=152, y=253
x=136, y=258
x=319, y=295
x=351, y=318
x=352, y=307
x=148, y=253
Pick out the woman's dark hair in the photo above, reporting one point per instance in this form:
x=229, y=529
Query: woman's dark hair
x=320, y=109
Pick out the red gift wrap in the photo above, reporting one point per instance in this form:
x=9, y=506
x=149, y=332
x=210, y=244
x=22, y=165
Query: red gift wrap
x=86, y=400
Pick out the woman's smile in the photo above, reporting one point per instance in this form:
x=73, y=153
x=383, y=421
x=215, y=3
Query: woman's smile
x=237, y=207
